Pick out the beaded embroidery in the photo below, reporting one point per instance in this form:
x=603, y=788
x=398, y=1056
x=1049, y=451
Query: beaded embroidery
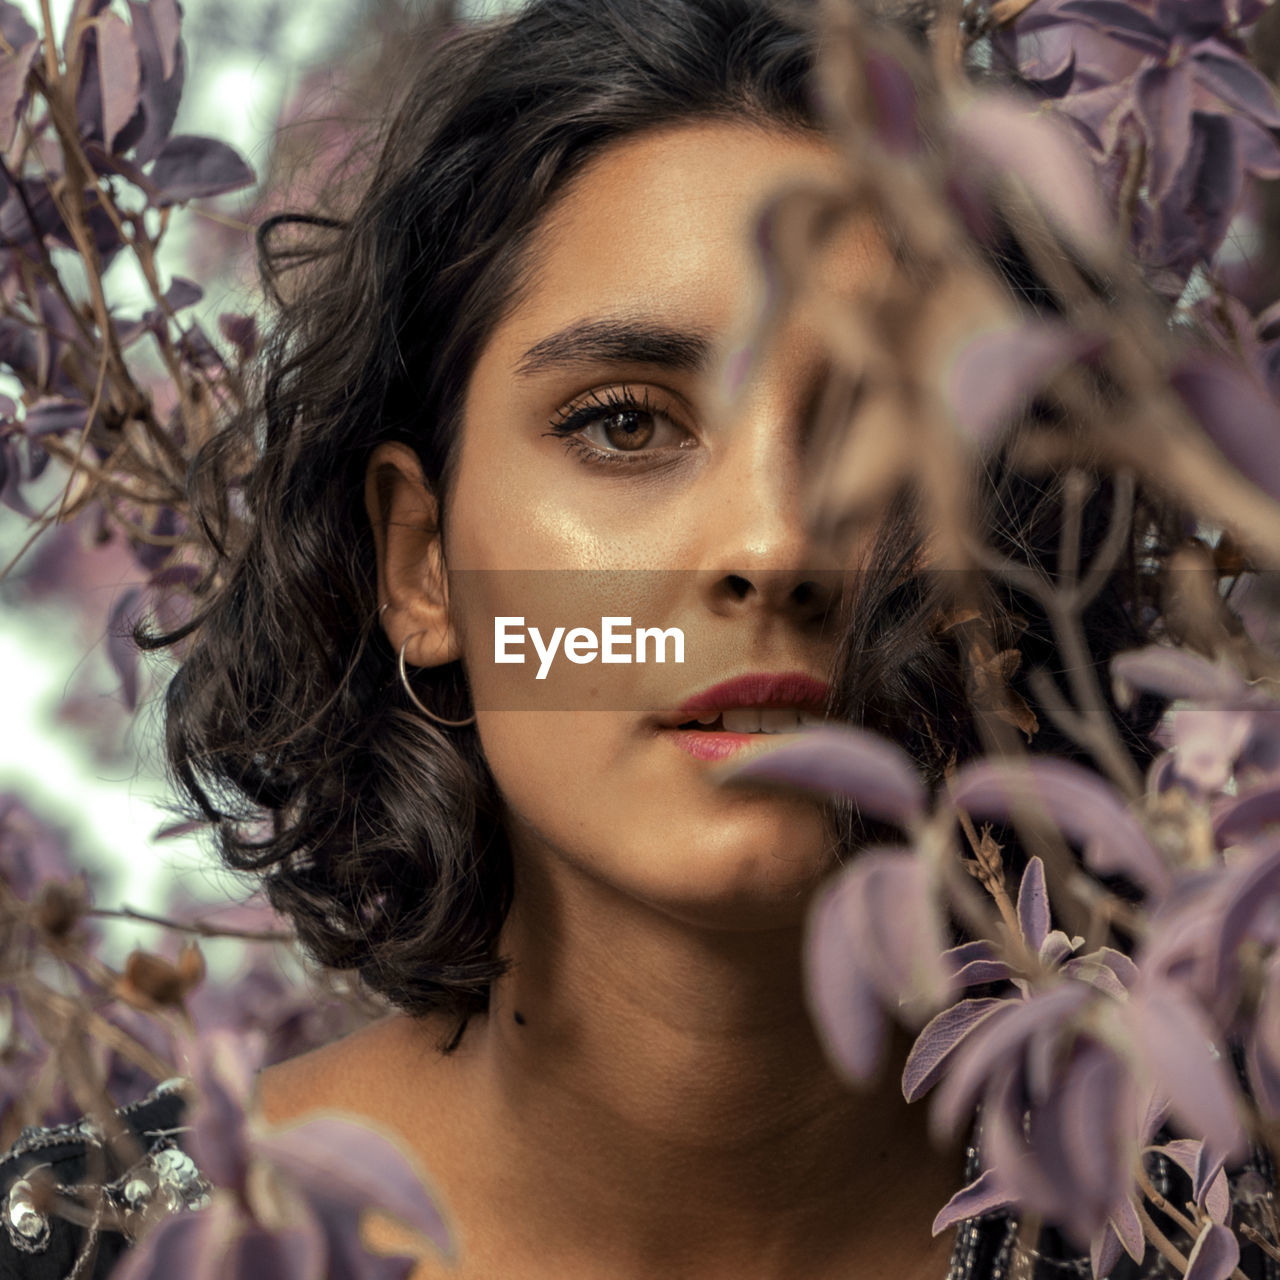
x=164, y=1175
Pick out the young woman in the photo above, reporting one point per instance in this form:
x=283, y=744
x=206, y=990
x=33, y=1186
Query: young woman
x=497, y=392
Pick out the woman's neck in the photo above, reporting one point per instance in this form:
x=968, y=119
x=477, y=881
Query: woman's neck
x=659, y=1094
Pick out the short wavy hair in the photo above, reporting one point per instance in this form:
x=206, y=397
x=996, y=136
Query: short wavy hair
x=383, y=842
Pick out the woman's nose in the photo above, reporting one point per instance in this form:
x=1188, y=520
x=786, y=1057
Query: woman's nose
x=758, y=550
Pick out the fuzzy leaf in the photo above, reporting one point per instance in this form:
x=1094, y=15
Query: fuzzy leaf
x=1000, y=132
x=1033, y=905
x=998, y=1043
x=1236, y=412
x=1175, y=1043
x=940, y=1038
x=1237, y=83
x=1104, y=1252
x=846, y=1008
x=1216, y=1254
x=983, y=1195
x=1177, y=673
x=1163, y=96
x=863, y=766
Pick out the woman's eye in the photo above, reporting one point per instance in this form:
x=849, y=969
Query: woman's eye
x=631, y=430
x=611, y=425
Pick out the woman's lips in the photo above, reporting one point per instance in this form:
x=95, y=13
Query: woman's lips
x=774, y=704
x=720, y=744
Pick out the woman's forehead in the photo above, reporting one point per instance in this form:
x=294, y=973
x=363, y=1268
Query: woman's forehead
x=662, y=226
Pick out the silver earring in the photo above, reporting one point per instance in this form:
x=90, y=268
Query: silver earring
x=413, y=697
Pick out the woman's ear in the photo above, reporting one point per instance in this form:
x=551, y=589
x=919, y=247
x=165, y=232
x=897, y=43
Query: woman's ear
x=412, y=584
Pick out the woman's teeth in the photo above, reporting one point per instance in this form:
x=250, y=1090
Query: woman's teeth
x=758, y=720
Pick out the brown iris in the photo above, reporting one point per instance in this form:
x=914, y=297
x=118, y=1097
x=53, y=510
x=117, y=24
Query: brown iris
x=630, y=430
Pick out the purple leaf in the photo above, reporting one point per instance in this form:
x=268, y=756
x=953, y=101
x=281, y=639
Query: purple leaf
x=1215, y=1256
x=997, y=1043
x=1033, y=905
x=1263, y=1051
x=1099, y=976
x=241, y=332
x=121, y=650
x=1096, y=1097
x=190, y=1245
x=896, y=930
x=224, y=1066
x=995, y=373
x=1056, y=947
x=1207, y=744
x=14, y=26
x=54, y=414
x=934, y=1046
x=161, y=88
x=1123, y=22
x=984, y=1195
x=863, y=766
x=1174, y=1040
x=1000, y=132
x=14, y=69
x=1236, y=412
x=1105, y=959
x=1177, y=673
x=1104, y=1251
x=347, y=1257
x=1078, y=801
x=189, y=167
x=118, y=73
x=352, y=1162
x=977, y=972
x=892, y=93
x=1101, y=112
x=167, y=22
x=182, y=293
x=846, y=1009
x=1128, y=1229
x=1256, y=884
x=1213, y=198
x=1236, y=83
x=1163, y=96
x=1258, y=150
x=296, y=1251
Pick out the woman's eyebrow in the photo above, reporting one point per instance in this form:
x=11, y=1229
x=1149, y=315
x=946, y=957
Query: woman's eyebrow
x=635, y=341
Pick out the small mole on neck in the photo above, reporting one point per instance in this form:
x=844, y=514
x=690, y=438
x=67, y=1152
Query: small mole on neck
x=519, y=1017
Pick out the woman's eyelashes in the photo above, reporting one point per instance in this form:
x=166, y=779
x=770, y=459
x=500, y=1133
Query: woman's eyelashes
x=620, y=425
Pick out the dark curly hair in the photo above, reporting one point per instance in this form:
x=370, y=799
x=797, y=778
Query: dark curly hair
x=383, y=843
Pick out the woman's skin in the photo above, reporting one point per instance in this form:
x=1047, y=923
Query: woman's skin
x=646, y=1096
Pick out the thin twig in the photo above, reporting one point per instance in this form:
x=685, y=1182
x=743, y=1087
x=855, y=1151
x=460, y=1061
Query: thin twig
x=194, y=926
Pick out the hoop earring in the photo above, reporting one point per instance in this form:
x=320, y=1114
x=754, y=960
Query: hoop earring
x=413, y=697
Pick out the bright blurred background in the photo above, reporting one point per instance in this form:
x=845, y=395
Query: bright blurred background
x=278, y=81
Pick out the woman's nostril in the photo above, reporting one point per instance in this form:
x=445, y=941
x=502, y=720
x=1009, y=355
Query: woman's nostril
x=740, y=586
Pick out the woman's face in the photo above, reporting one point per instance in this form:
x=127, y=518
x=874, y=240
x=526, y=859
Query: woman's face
x=597, y=478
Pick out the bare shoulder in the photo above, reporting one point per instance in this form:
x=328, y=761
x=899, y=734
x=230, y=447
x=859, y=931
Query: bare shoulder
x=378, y=1071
